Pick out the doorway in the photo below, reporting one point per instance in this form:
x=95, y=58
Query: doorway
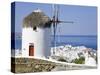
x=31, y=49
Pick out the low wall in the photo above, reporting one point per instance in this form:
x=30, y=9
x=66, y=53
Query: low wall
x=25, y=65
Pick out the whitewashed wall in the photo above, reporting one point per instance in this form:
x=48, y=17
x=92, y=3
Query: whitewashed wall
x=41, y=41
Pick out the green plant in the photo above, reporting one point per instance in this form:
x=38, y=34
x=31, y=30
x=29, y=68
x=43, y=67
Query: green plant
x=62, y=59
x=81, y=60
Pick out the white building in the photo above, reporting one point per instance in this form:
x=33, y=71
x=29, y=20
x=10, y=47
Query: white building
x=72, y=53
x=89, y=60
x=36, y=35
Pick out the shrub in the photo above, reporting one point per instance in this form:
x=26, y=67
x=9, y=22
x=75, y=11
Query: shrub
x=62, y=59
x=81, y=60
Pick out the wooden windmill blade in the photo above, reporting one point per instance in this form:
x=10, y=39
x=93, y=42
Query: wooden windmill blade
x=57, y=13
x=65, y=21
x=53, y=12
x=55, y=21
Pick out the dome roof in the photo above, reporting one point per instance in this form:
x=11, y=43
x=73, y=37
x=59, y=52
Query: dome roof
x=37, y=18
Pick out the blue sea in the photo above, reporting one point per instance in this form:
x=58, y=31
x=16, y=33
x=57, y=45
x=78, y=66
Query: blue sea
x=88, y=41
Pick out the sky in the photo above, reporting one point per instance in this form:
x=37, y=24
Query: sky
x=84, y=17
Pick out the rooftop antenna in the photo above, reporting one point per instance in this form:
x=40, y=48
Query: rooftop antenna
x=55, y=21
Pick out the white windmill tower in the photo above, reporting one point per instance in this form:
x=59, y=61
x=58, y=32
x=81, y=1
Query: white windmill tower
x=36, y=33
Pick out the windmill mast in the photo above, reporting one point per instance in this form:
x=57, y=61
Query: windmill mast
x=55, y=21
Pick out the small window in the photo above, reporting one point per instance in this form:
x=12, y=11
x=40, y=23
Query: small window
x=35, y=28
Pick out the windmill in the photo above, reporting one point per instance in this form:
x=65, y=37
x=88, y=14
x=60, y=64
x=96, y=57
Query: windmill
x=37, y=27
x=55, y=22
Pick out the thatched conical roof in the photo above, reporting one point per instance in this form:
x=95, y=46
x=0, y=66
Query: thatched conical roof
x=36, y=19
